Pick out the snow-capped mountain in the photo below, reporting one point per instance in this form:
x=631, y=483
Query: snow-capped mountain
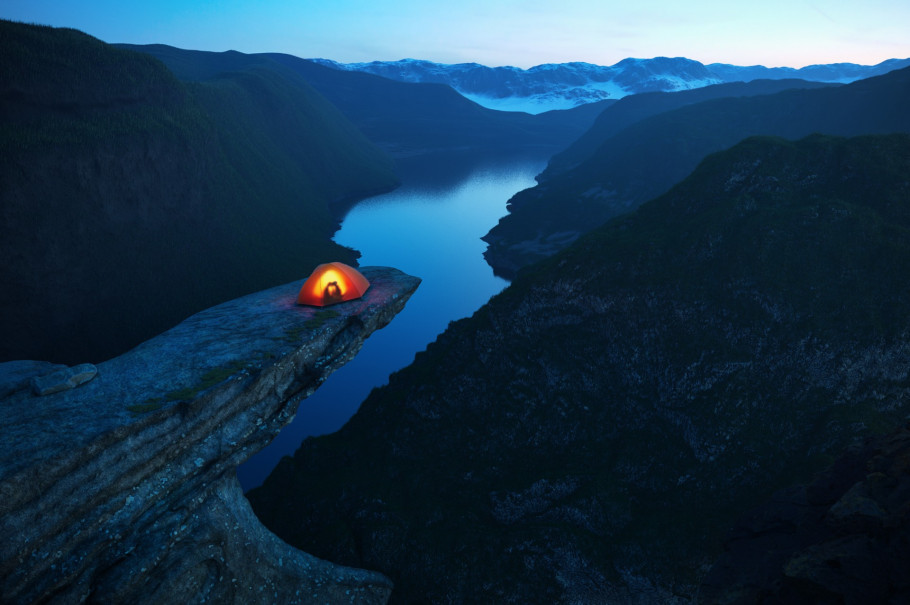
x=565, y=85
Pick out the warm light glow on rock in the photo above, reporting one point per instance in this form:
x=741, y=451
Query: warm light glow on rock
x=332, y=283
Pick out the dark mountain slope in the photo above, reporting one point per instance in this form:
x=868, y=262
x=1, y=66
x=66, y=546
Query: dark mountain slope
x=590, y=434
x=645, y=159
x=428, y=115
x=403, y=118
x=634, y=108
x=842, y=538
x=131, y=200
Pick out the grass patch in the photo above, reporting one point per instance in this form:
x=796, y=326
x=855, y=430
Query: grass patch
x=208, y=380
x=317, y=321
x=150, y=405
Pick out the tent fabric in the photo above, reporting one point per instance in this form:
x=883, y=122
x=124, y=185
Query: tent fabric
x=332, y=283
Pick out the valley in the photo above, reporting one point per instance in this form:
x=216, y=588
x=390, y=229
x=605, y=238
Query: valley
x=591, y=432
x=431, y=227
x=656, y=330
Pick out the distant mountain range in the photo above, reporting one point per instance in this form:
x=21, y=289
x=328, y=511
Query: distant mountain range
x=566, y=85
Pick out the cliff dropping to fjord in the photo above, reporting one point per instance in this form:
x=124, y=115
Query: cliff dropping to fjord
x=591, y=433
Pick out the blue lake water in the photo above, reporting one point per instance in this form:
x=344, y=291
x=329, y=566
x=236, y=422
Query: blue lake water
x=429, y=227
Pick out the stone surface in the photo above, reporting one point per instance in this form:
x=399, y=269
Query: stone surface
x=850, y=542
x=124, y=490
x=63, y=379
x=15, y=375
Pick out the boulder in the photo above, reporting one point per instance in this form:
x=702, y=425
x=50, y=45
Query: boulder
x=63, y=379
x=15, y=375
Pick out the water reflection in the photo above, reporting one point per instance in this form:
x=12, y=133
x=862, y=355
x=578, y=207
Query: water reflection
x=429, y=227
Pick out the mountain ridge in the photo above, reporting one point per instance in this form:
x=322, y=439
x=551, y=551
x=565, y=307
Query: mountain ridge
x=130, y=199
x=645, y=158
x=564, y=85
x=403, y=118
x=634, y=108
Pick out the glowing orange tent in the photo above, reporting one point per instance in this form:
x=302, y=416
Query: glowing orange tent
x=332, y=283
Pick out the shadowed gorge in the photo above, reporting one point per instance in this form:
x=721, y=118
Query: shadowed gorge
x=131, y=200
x=589, y=434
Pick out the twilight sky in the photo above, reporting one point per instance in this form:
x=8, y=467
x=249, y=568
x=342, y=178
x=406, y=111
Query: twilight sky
x=523, y=33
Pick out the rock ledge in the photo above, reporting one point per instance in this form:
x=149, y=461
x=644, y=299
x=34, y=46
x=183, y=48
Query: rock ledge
x=124, y=489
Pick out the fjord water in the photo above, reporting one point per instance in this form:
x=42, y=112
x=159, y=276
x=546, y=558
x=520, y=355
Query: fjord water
x=429, y=227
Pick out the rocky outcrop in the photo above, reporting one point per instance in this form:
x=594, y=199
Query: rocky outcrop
x=123, y=490
x=842, y=538
x=404, y=119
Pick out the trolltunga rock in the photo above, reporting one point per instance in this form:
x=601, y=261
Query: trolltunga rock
x=124, y=490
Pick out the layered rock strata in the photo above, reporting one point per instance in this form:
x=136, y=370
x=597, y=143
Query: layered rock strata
x=123, y=489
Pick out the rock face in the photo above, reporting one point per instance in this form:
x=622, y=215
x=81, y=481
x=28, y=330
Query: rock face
x=15, y=375
x=842, y=538
x=123, y=490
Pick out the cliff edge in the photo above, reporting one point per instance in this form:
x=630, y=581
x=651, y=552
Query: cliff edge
x=123, y=489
